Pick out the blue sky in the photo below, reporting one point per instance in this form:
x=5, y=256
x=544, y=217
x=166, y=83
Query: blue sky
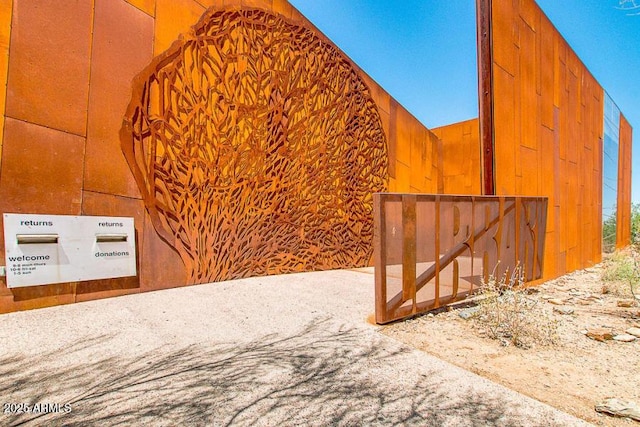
x=423, y=52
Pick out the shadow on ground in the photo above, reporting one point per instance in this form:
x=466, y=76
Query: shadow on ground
x=321, y=376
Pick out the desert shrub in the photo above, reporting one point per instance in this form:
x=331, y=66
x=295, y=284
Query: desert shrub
x=634, y=280
x=509, y=314
x=609, y=230
x=621, y=274
x=635, y=225
x=609, y=233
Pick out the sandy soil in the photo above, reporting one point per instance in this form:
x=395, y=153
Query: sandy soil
x=573, y=375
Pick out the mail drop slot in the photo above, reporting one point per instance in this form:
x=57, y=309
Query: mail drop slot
x=24, y=239
x=80, y=248
x=111, y=237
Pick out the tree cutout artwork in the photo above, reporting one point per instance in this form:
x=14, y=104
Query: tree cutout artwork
x=257, y=148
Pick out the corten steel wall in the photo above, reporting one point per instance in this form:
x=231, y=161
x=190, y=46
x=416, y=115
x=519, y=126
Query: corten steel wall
x=461, y=168
x=623, y=212
x=547, y=128
x=66, y=72
x=415, y=154
x=68, y=82
x=5, y=32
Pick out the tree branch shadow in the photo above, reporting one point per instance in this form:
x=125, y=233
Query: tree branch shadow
x=323, y=375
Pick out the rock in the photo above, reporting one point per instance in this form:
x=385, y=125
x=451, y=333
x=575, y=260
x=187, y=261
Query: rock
x=624, y=338
x=626, y=303
x=556, y=301
x=633, y=331
x=585, y=302
x=563, y=310
x=619, y=408
x=467, y=313
x=600, y=334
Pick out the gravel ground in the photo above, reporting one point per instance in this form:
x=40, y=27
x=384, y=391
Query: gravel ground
x=574, y=375
x=279, y=350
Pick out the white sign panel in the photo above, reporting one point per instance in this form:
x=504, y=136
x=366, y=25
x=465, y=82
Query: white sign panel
x=44, y=249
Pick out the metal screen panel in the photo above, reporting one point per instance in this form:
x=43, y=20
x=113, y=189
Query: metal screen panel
x=431, y=250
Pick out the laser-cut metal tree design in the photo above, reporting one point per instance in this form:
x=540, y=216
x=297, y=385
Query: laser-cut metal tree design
x=257, y=147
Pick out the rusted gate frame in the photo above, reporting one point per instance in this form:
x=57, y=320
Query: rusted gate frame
x=411, y=284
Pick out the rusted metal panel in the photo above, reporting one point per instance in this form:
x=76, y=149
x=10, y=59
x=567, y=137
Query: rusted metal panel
x=6, y=14
x=409, y=246
x=379, y=257
x=41, y=88
x=546, y=119
x=40, y=173
x=623, y=229
x=433, y=250
x=122, y=46
x=257, y=161
x=461, y=163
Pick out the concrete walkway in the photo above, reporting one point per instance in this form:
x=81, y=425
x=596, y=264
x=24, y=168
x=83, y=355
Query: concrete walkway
x=280, y=350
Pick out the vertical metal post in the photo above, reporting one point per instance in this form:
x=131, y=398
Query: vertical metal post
x=409, y=248
x=437, y=252
x=380, y=258
x=485, y=93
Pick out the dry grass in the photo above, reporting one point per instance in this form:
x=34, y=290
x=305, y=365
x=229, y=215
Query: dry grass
x=573, y=375
x=621, y=274
x=508, y=314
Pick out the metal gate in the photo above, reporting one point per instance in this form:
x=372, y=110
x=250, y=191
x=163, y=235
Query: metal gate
x=431, y=250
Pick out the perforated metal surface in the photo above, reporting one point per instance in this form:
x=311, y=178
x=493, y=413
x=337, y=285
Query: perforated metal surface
x=257, y=148
x=432, y=250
